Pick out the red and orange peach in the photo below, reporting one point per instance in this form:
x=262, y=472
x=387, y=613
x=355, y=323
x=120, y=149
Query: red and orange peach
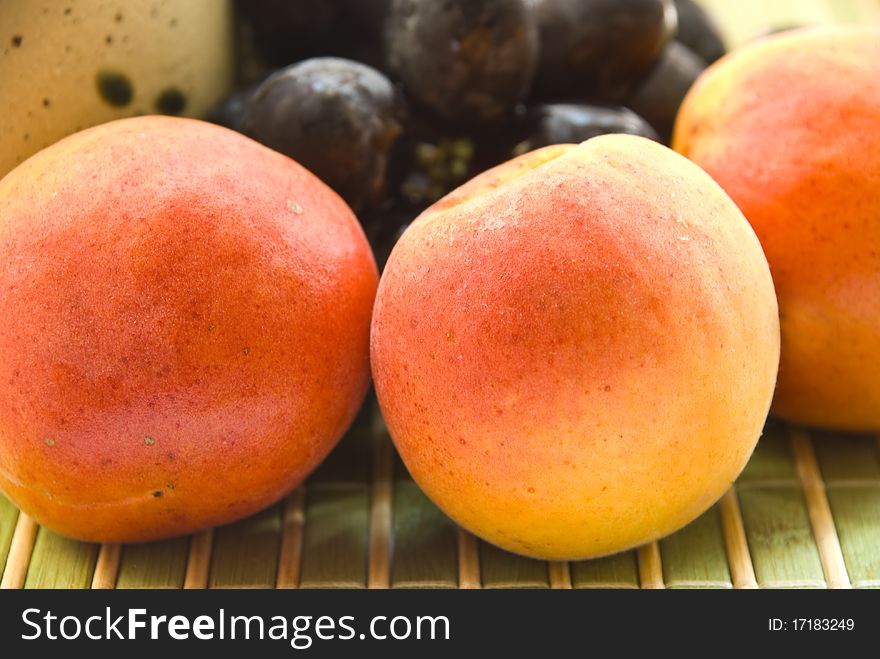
x=185, y=328
x=790, y=128
x=575, y=352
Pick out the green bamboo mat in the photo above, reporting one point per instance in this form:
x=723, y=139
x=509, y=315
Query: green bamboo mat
x=805, y=513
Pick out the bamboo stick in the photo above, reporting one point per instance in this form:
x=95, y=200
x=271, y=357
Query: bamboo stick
x=107, y=567
x=468, y=561
x=379, y=568
x=198, y=564
x=819, y=510
x=650, y=566
x=742, y=572
x=19, y=557
x=290, y=553
x=560, y=575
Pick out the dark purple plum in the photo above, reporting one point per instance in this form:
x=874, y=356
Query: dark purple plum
x=336, y=117
x=598, y=50
x=660, y=94
x=466, y=61
x=566, y=123
x=229, y=111
x=285, y=31
x=698, y=31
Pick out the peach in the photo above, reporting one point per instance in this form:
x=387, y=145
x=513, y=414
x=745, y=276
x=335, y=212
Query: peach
x=575, y=352
x=790, y=128
x=185, y=328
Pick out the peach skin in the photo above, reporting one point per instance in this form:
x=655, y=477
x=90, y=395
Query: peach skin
x=185, y=328
x=575, y=352
x=790, y=128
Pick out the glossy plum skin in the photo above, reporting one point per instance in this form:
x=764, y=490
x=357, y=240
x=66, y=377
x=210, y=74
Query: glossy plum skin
x=567, y=123
x=598, y=50
x=660, y=94
x=185, y=336
x=229, y=111
x=468, y=62
x=698, y=31
x=336, y=117
x=575, y=351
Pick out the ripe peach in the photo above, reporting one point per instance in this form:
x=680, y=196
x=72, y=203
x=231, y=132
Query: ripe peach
x=575, y=352
x=790, y=128
x=185, y=328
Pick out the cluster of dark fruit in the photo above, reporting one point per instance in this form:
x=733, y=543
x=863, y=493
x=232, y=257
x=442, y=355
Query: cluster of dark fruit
x=395, y=102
